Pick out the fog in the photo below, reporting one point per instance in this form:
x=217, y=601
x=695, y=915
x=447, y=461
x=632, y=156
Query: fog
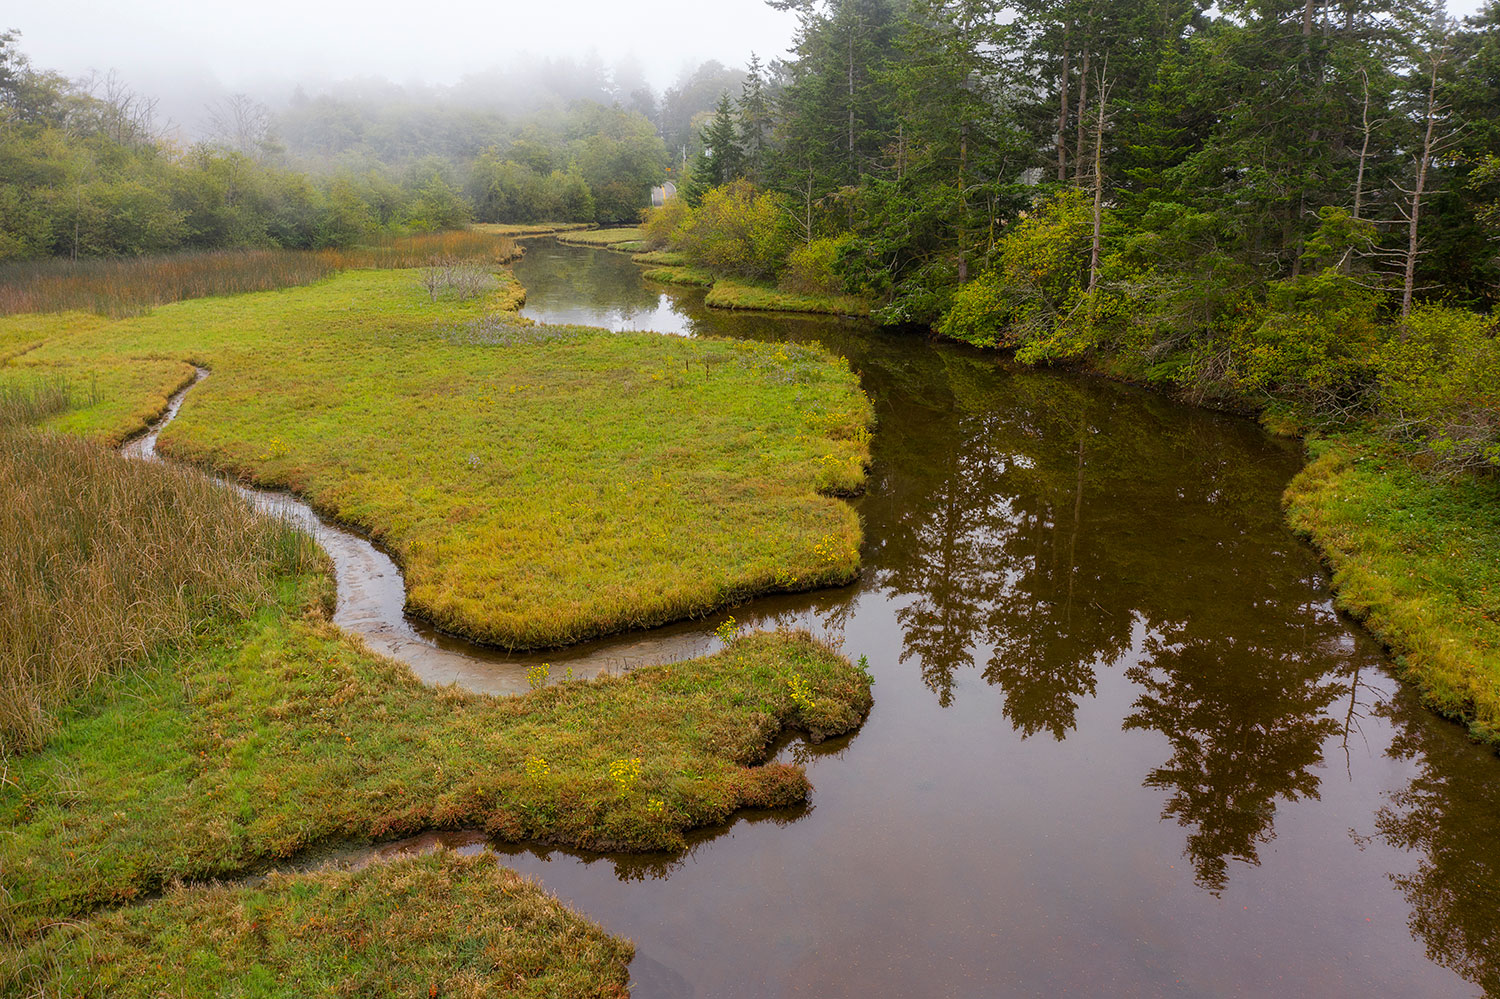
x=188, y=52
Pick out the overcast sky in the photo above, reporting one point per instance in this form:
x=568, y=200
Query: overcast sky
x=209, y=47
x=245, y=43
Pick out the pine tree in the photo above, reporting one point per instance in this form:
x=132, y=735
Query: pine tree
x=834, y=115
x=754, y=121
x=721, y=160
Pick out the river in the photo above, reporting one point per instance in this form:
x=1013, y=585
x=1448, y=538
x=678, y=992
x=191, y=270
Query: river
x=1122, y=743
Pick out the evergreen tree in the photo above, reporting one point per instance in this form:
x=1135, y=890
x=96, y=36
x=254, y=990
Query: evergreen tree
x=754, y=131
x=835, y=117
x=721, y=160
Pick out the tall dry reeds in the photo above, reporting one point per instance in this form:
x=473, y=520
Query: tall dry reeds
x=26, y=403
x=422, y=249
x=123, y=286
x=103, y=561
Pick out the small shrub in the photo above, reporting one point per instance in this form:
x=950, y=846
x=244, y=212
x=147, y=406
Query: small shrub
x=1439, y=386
x=811, y=268
x=463, y=279
x=738, y=230
x=662, y=227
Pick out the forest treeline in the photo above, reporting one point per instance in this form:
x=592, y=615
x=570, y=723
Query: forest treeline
x=1289, y=204
x=88, y=169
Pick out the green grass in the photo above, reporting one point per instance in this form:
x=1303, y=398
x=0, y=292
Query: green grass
x=434, y=925
x=627, y=239
x=661, y=258
x=125, y=286
x=731, y=293
x=540, y=485
x=681, y=275
x=519, y=229
x=274, y=731
x=1418, y=560
x=106, y=559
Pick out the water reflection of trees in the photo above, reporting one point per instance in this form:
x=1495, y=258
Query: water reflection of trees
x=1041, y=529
x=1241, y=740
x=1448, y=816
x=1049, y=525
x=610, y=282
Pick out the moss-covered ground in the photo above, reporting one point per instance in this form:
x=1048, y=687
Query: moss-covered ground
x=540, y=485
x=1417, y=558
x=438, y=925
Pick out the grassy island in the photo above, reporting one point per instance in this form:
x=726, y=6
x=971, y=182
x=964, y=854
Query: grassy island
x=540, y=485
x=625, y=239
x=432, y=925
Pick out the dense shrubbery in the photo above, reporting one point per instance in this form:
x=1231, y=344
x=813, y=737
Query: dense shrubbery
x=1439, y=386
x=737, y=230
x=1323, y=346
x=85, y=176
x=740, y=231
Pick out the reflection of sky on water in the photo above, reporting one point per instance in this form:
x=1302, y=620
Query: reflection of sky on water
x=556, y=293
x=662, y=317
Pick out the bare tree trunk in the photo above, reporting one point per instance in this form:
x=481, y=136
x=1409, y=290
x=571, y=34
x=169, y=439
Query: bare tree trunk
x=852, y=172
x=1412, y=246
x=1098, y=183
x=1083, y=104
x=963, y=205
x=808, y=229
x=1364, y=149
x=1062, y=117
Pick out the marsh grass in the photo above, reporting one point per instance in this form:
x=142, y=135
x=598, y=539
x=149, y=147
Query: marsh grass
x=516, y=230
x=680, y=275
x=438, y=924
x=422, y=249
x=730, y=293
x=627, y=239
x=1417, y=558
x=106, y=560
x=23, y=404
x=661, y=258
x=538, y=484
x=127, y=286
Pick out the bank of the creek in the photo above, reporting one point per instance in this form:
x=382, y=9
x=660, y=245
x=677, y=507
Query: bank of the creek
x=1121, y=745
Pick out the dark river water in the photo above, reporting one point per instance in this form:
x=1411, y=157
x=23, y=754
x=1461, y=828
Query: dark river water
x=1122, y=744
